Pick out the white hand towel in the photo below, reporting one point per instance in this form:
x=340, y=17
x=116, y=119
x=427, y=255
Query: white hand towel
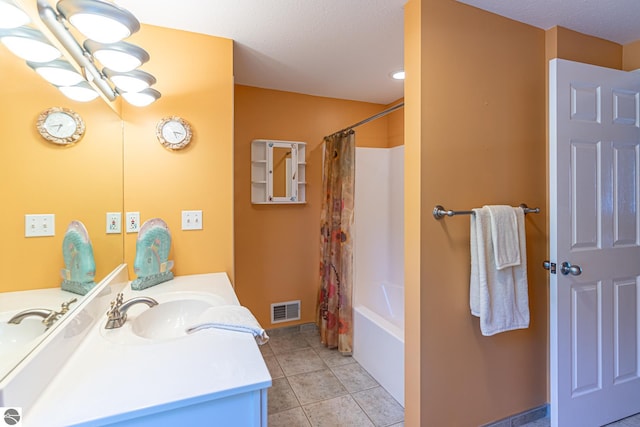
x=504, y=235
x=499, y=297
x=477, y=256
x=232, y=318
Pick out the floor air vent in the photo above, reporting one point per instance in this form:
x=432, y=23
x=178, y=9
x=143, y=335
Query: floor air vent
x=285, y=311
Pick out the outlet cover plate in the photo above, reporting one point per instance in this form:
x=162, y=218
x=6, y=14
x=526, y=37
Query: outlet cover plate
x=39, y=225
x=133, y=222
x=114, y=222
x=192, y=220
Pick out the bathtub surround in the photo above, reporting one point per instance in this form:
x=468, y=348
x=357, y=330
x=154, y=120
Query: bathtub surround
x=379, y=266
x=378, y=346
x=335, y=312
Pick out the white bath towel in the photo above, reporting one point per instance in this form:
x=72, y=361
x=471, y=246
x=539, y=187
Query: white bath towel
x=504, y=236
x=233, y=318
x=499, y=297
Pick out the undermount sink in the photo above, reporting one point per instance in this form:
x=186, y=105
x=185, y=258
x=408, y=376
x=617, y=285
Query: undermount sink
x=175, y=312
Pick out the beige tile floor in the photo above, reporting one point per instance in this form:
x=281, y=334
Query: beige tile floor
x=315, y=386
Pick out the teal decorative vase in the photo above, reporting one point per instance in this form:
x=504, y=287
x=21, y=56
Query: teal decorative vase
x=80, y=267
x=152, y=265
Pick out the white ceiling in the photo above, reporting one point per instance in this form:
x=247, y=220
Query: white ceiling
x=614, y=20
x=335, y=48
x=347, y=48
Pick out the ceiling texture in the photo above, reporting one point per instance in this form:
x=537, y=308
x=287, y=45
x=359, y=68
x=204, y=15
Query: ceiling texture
x=347, y=49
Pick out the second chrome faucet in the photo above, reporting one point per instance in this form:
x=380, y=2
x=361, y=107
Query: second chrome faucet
x=117, y=314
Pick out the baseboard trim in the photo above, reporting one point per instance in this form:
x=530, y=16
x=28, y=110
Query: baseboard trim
x=522, y=418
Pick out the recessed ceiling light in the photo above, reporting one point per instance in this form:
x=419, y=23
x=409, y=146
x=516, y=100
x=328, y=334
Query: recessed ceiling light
x=398, y=75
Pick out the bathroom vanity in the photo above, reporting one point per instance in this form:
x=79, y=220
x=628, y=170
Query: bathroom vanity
x=149, y=372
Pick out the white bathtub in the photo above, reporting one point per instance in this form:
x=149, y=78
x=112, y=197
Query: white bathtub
x=378, y=336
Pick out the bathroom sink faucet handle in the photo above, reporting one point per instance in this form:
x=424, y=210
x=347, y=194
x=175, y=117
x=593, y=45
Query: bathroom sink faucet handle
x=117, y=315
x=65, y=305
x=54, y=316
x=115, y=304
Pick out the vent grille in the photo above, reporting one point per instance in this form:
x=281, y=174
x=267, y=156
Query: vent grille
x=285, y=311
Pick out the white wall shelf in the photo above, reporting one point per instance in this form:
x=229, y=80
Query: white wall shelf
x=278, y=173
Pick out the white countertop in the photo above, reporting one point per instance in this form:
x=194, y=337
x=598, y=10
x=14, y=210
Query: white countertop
x=12, y=303
x=106, y=381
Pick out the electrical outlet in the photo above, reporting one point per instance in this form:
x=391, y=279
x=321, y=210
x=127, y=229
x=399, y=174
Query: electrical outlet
x=192, y=220
x=39, y=225
x=114, y=222
x=133, y=222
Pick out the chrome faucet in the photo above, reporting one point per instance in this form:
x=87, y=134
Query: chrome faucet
x=117, y=314
x=49, y=317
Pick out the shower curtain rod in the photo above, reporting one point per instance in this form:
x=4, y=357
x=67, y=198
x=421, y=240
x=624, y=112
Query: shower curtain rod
x=375, y=116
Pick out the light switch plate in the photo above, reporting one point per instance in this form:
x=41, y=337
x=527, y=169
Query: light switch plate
x=39, y=225
x=114, y=222
x=133, y=222
x=192, y=220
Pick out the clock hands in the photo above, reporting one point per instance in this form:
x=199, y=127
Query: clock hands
x=173, y=132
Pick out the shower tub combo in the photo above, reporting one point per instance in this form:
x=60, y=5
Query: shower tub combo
x=378, y=331
x=378, y=337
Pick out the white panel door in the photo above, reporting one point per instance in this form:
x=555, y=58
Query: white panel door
x=594, y=177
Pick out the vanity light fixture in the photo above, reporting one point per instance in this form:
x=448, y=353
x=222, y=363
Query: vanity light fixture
x=142, y=98
x=81, y=92
x=58, y=72
x=106, y=25
x=132, y=81
x=11, y=16
x=120, y=56
x=99, y=20
x=29, y=43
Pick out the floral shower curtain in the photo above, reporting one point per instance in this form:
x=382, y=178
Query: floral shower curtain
x=335, y=314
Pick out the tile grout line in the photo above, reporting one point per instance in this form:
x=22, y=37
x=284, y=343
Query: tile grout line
x=325, y=367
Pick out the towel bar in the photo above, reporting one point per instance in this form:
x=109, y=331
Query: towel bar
x=439, y=212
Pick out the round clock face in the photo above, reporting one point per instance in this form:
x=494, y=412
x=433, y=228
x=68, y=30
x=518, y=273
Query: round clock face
x=174, y=133
x=60, y=126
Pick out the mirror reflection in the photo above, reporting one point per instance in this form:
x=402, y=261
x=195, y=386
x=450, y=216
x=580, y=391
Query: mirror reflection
x=77, y=181
x=281, y=172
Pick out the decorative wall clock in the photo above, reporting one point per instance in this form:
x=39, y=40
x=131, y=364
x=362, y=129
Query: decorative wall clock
x=174, y=132
x=60, y=126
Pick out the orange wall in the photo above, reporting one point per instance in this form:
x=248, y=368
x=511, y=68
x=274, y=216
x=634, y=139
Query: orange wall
x=480, y=111
x=277, y=246
x=574, y=46
x=81, y=182
x=195, y=77
x=631, y=56
x=415, y=381
x=86, y=180
x=395, y=123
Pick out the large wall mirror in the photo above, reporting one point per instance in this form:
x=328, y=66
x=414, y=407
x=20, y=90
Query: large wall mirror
x=81, y=181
